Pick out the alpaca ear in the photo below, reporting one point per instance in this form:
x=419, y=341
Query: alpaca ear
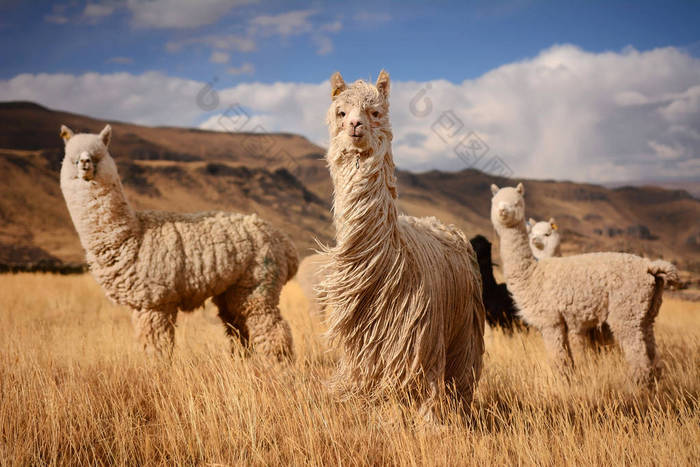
x=494, y=189
x=66, y=133
x=383, y=83
x=531, y=221
x=520, y=188
x=553, y=223
x=106, y=135
x=337, y=85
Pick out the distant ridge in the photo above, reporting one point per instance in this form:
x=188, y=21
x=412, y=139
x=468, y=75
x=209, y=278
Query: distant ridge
x=283, y=177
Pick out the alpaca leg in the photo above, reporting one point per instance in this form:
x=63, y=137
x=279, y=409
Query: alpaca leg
x=155, y=330
x=556, y=342
x=578, y=343
x=229, y=304
x=636, y=338
x=634, y=346
x=432, y=407
x=269, y=334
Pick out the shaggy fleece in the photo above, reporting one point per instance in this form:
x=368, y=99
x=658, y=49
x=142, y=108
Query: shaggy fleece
x=404, y=293
x=158, y=262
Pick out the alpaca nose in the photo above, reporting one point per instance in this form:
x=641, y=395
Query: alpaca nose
x=355, y=123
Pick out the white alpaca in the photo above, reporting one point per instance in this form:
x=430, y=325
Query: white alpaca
x=544, y=238
x=405, y=293
x=157, y=262
x=564, y=297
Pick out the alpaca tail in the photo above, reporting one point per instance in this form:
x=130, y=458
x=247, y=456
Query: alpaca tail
x=664, y=271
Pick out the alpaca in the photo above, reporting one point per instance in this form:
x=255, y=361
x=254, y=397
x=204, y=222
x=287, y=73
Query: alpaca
x=544, y=238
x=500, y=307
x=545, y=242
x=563, y=297
x=309, y=277
x=158, y=262
x=404, y=292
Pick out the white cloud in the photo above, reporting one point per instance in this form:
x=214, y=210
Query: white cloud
x=219, y=57
x=97, y=11
x=159, y=14
x=58, y=14
x=292, y=23
x=121, y=60
x=325, y=45
x=245, y=69
x=56, y=19
x=151, y=98
x=283, y=26
x=335, y=26
x=372, y=17
x=565, y=114
x=218, y=41
x=179, y=13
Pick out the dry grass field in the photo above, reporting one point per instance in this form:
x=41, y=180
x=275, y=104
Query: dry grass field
x=74, y=389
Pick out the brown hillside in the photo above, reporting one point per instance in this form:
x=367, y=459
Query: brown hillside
x=283, y=178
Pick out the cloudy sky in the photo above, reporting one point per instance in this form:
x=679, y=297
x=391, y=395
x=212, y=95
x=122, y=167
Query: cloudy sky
x=580, y=90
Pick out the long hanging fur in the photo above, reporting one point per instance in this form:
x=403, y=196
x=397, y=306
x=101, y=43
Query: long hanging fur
x=405, y=293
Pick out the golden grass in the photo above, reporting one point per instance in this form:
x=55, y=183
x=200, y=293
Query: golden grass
x=74, y=389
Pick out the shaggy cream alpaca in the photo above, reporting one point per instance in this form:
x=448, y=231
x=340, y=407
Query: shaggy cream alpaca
x=544, y=238
x=564, y=297
x=405, y=293
x=159, y=262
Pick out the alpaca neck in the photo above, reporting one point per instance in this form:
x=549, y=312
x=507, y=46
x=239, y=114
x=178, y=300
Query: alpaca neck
x=364, y=210
x=516, y=255
x=103, y=218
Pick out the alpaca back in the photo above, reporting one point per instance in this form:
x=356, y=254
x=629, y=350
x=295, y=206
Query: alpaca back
x=185, y=258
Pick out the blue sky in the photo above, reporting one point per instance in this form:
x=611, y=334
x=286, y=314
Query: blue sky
x=612, y=68
x=415, y=40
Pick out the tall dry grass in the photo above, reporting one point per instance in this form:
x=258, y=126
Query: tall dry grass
x=74, y=389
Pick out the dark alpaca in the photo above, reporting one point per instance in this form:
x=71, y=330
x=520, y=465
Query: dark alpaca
x=500, y=307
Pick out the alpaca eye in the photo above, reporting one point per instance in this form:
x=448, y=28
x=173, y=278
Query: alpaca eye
x=342, y=114
x=375, y=114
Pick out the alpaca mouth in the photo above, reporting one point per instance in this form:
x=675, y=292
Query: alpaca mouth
x=538, y=244
x=86, y=175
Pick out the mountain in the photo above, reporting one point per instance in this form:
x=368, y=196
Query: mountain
x=283, y=178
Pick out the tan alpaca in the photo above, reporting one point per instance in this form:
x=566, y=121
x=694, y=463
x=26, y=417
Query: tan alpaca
x=405, y=293
x=576, y=293
x=158, y=262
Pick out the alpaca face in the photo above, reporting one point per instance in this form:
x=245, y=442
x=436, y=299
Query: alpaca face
x=85, y=166
x=358, y=118
x=86, y=156
x=507, y=206
x=544, y=237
